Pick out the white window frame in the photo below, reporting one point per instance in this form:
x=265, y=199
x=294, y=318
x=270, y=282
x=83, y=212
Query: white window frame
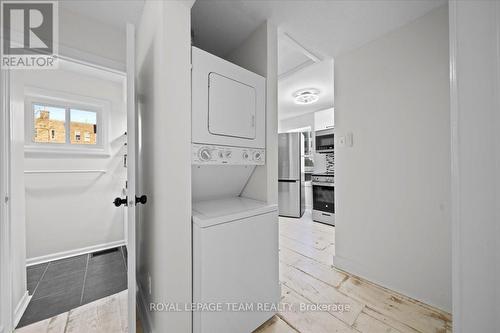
x=66, y=101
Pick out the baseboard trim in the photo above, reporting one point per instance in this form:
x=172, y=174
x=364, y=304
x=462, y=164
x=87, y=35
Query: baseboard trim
x=144, y=311
x=21, y=307
x=72, y=253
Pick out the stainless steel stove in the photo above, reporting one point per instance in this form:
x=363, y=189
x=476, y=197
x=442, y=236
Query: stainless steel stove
x=323, y=185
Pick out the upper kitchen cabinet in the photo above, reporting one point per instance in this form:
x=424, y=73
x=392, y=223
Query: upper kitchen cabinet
x=324, y=119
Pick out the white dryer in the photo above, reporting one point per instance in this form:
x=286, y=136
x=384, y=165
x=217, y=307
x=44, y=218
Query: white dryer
x=235, y=261
x=228, y=103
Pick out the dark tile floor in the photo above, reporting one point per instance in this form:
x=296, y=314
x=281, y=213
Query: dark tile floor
x=59, y=286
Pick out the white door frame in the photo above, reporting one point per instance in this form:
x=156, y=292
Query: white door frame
x=455, y=211
x=6, y=315
x=475, y=116
x=131, y=179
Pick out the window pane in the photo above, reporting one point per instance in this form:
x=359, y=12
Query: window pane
x=83, y=127
x=49, y=124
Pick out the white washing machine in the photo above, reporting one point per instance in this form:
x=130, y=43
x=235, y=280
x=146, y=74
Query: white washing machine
x=235, y=260
x=228, y=103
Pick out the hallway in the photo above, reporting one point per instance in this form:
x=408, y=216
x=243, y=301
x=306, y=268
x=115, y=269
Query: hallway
x=307, y=276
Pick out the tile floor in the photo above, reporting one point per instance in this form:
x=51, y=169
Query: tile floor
x=59, y=286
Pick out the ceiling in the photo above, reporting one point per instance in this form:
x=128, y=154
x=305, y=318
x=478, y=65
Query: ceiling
x=220, y=26
x=115, y=13
x=329, y=27
x=323, y=27
x=291, y=56
x=319, y=76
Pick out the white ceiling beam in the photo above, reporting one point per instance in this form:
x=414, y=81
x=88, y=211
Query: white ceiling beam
x=296, y=69
x=301, y=48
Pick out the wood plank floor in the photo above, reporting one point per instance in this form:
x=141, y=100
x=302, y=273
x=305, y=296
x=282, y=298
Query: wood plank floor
x=106, y=315
x=308, y=277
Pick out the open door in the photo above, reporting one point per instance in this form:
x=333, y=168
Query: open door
x=6, y=317
x=131, y=179
x=133, y=199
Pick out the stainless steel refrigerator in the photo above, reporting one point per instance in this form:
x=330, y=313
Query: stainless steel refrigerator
x=291, y=200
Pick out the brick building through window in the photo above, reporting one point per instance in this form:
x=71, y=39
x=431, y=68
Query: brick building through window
x=50, y=125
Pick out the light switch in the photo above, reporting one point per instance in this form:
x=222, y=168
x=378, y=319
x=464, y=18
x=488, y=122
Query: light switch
x=349, y=139
x=346, y=140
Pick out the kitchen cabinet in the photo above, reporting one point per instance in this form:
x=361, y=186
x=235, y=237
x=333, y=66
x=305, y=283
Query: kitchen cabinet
x=324, y=119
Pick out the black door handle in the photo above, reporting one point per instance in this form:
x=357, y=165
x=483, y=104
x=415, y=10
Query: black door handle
x=142, y=199
x=119, y=201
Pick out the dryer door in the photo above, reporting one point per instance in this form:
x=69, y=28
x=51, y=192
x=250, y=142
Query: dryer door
x=228, y=103
x=231, y=107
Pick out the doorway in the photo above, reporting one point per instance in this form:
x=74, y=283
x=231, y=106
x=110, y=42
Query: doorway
x=69, y=162
x=360, y=271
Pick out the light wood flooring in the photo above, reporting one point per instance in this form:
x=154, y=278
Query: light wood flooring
x=308, y=277
x=106, y=315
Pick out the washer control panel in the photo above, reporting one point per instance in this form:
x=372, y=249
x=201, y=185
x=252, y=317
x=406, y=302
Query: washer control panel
x=219, y=155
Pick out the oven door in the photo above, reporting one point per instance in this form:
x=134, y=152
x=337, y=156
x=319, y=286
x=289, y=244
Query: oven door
x=325, y=140
x=324, y=197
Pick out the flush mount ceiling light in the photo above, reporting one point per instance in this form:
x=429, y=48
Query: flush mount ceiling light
x=306, y=96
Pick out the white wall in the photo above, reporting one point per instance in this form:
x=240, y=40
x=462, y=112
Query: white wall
x=259, y=54
x=393, y=185
x=476, y=164
x=84, y=38
x=287, y=124
x=67, y=212
x=164, y=99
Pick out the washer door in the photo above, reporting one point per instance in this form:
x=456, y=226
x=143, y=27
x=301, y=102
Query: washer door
x=231, y=107
x=235, y=262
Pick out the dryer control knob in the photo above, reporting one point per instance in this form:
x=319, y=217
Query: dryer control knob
x=245, y=155
x=204, y=154
x=257, y=156
x=228, y=154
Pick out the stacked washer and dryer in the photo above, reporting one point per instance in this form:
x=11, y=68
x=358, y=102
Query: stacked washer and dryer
x=235, y=239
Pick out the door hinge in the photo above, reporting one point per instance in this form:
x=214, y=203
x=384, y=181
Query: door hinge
x=6, y=199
